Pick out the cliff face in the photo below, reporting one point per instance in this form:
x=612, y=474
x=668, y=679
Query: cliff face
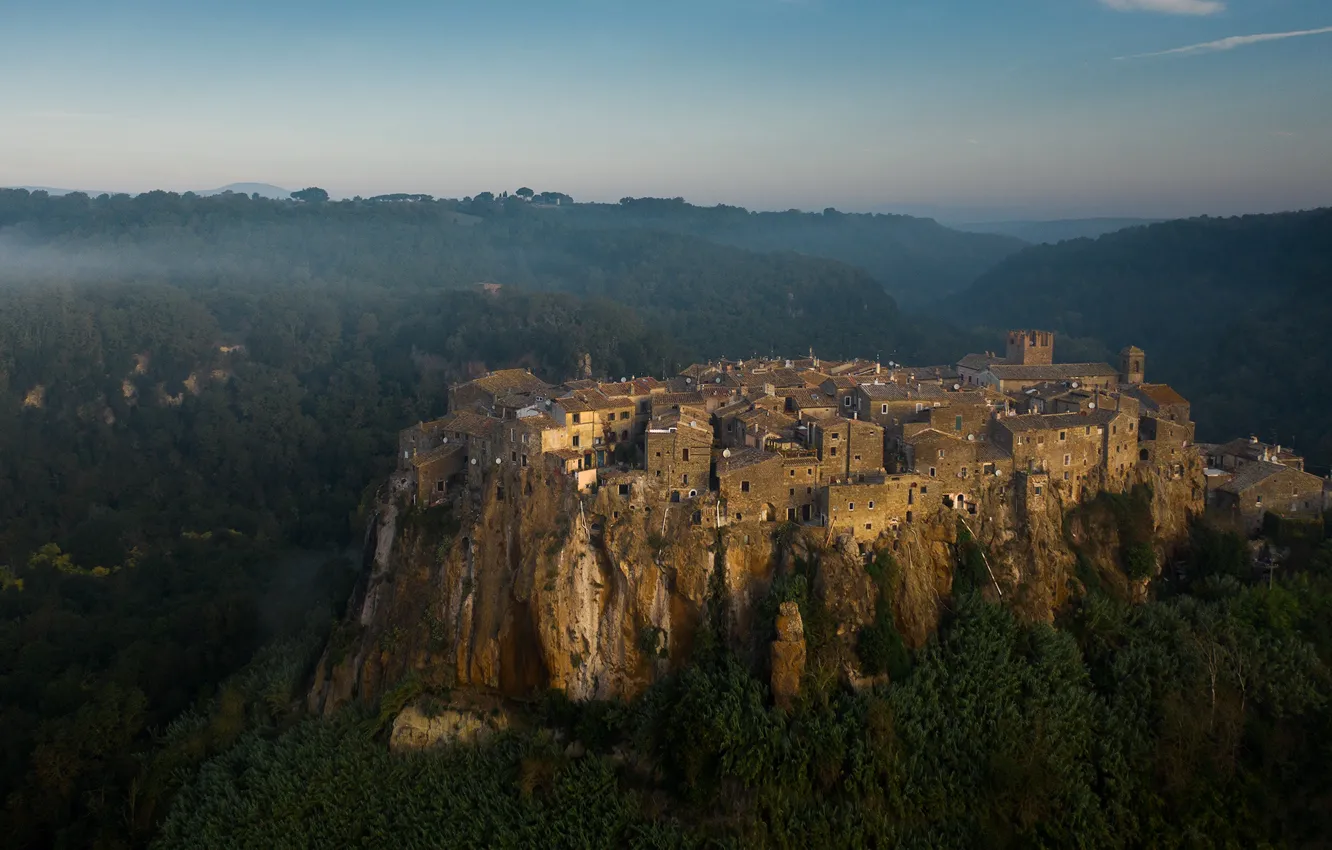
x=528, y=585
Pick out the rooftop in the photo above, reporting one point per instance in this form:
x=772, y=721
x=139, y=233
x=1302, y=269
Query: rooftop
x=1052, y=371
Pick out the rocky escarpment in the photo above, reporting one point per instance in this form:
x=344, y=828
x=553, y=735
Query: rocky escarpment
x=526, y=585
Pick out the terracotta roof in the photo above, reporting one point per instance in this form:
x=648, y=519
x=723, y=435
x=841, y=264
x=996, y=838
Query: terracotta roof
x=672, y=399
x=979, y=362
x=1050, y=421
x=581, y=401
x=842, y=382
x=742, y=459
x=1052, y=371
x=1161, y=394
x=539, y=422
x=1251, y=474
x=511, y=380
x=469, y=423
x=805, y=399
x=438, y=453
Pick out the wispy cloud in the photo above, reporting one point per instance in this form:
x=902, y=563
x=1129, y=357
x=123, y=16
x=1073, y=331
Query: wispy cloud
x=1168, y=7
x=1228, y=43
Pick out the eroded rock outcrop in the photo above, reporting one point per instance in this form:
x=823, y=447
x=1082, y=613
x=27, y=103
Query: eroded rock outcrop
x=526, y=585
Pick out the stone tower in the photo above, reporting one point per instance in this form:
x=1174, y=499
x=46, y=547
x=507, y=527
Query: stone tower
x=1030, y=348
x=1132, y=365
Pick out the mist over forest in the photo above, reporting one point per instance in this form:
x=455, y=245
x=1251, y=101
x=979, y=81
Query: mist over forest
x=200, y=396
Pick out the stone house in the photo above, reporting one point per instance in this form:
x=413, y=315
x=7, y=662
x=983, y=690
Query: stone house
x=866, y=509
x=806, y=402
x=1164, y=442
x=1069, y=446
x=679, y=456
x=1007, y=377
x=595, y=422
x=482, y=394
x=846, y=448
x=433, y=472
x=1161, y=400
x=1235, y=454
x=803, y=482
x=958, y=465
x=751, y=483
x=842, y=388
x=1263, y=487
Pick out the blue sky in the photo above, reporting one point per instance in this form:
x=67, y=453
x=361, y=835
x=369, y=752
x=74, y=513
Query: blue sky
x=1040, y=108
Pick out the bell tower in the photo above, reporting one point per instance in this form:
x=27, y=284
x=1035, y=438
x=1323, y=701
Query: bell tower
x=1132, y=365
x=1030, y=348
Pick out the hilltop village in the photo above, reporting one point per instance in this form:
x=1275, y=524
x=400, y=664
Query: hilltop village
x=857, y=447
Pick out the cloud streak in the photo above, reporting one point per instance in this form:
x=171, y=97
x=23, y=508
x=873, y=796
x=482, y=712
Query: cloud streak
x=1168, y=7
x=1230, y=43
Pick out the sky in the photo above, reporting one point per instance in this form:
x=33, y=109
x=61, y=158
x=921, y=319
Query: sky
x=967, y=109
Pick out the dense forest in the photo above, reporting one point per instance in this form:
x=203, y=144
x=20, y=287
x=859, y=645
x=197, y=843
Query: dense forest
x=915, y=259
x=1233, y=312
x=198, y=396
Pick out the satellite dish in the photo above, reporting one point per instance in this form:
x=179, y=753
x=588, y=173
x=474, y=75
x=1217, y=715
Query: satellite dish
x=1091, y=405
x=1075, y=385
x=717, y=379
x=971, y=438
x=726, y=452
x=473, y=461
x=499, y=460
x=689, y=380
x=957, y=386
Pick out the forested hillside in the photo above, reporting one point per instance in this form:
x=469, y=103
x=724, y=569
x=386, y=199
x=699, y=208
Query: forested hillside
x=1233, y=312
x=914, y=259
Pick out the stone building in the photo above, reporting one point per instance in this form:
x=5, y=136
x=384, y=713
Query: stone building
x=1263, y=487
x=1069, y=446
x=1132, y=365
x=597, y=424
x=482, y=394
x=679, y=455
x=1030, y=348
x=866, y=509
x=434, y=471
x=752, y=485
x=1235, y=454
x=846, y=448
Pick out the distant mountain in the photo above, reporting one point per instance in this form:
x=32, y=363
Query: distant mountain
x=264, y=190
x=1058, y=230
x=914, y=259
x=1233, y=311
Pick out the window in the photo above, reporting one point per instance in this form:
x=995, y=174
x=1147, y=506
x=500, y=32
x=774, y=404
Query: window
x=1065, y=476
x=684, y=479
x=513, y=457
x=439, y=486
x=836, y=436
x=846, y=401
x=524, y=460
x=1018, y=439
x=1130, y=427
x=988, y=469
x=809, y=491
x=941, y=452
x=963, y=472
x=744, y=488
x=1068, y=459
x=1259, y=500
x=658, y=454
x=883, y=409
x=684, y=455
x=931, y=472
x=1063, y=435
x=577, y=441
x=624, y=489
x=850, y=506
x=871, y=504
x=919, y=407
x=792, y=493
x=1040, y=441
x=1088, y=429
x=832, y=452
x=809, y=470
x=624, y=414
x=869, y=526
x=1038, y=489
x=857, y=458
x=925, y=490
x=578, y=417
x=693, y=494
x=957, y=423
x=792, y=473
x=1114, y=429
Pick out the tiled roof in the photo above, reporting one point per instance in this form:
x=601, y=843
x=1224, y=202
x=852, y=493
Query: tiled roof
x=842, y=382
x=806, y=398
x=1048, y=421
x=1251, y=474
x=672, y=399
x=581, y=401
x=979, y=362
x=742, y=459
x=1161, y=394
x=539, y=422
x=437, y=453
x=511, y=380
x=1052, y=371
x=469, y=423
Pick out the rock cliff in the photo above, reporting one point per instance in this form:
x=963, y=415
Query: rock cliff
x=524, y=584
